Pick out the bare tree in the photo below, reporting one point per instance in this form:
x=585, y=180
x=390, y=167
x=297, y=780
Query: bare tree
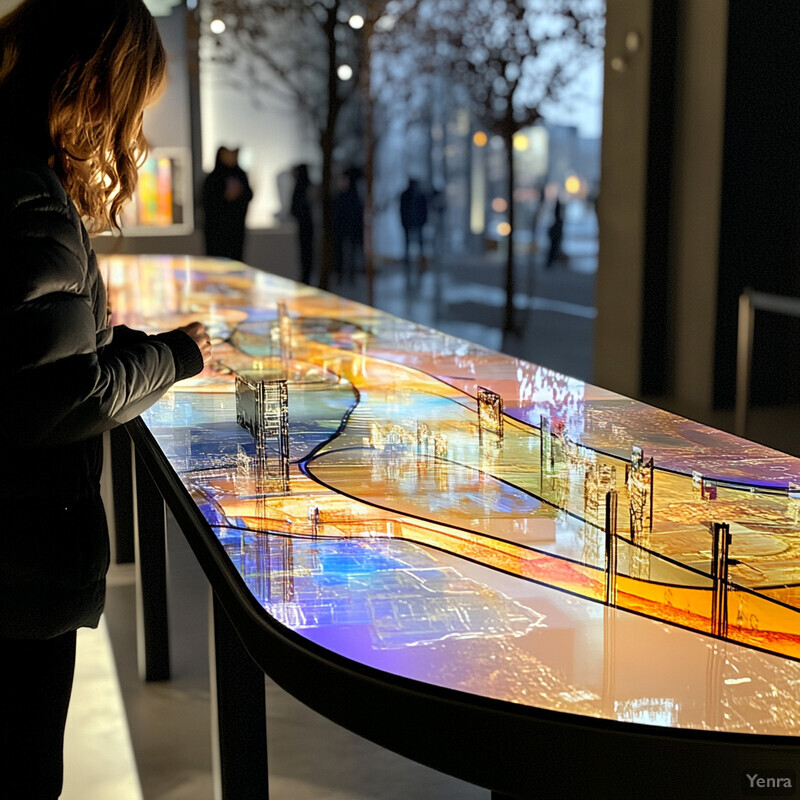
x=515, y=60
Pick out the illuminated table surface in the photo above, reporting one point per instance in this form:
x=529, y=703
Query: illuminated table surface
x=428, y=537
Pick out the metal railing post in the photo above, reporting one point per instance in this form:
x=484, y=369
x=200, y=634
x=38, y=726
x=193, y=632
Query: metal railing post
x=744, y=356
x=749, y=301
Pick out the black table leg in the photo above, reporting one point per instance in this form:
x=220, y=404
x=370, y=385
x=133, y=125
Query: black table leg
x=122, y=487
x=152, y=628
x=239, y=714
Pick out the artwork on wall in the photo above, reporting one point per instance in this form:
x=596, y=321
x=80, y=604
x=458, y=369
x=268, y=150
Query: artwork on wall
x=162, y=203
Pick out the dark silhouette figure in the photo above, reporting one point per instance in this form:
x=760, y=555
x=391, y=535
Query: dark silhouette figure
x=413, y=216
x=556, y=233
x=537, y=213
x=438, y=207
x=348, y=226
x=226, y=196
x=301, y=211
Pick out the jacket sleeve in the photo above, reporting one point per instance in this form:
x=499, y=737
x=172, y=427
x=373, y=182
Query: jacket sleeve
x=186, y=354
x=63, y=389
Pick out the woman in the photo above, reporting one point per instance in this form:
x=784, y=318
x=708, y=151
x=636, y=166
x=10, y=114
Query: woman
x=75, y=78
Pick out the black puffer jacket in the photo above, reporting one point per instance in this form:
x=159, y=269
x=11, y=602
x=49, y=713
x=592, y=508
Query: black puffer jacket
x=69, y=377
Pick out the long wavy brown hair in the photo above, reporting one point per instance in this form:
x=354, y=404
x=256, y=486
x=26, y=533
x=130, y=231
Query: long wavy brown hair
x=75, y=78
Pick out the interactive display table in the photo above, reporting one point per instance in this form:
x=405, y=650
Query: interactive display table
x=515, y=577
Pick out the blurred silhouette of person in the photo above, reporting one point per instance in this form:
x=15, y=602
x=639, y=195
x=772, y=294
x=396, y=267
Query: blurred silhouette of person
x=226, y=196
x=438, y=207
x=536, y=218
x=284, y=182
x=413, y=216
x=537, y=215
x=556, y=233
x=301, y=211
x=348, y=225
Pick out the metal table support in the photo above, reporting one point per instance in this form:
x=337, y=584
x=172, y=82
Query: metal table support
x=149, y=522
x=238, y=713
x=122, y=485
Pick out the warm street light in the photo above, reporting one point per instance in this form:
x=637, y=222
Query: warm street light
x=217, y=26
x=356, y=22
x=345, y=72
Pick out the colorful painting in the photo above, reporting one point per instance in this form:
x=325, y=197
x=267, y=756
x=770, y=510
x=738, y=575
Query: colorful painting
x=162, y=201
x=444, y=512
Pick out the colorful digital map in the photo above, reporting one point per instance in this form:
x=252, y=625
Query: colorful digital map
x=441, y=511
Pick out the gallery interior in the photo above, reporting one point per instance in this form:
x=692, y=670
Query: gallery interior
x=674, y=155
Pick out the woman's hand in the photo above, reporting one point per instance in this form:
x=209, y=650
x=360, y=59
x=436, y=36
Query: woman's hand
x=197, y=331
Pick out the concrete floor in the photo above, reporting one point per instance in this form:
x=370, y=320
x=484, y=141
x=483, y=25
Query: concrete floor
x=98, y=756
